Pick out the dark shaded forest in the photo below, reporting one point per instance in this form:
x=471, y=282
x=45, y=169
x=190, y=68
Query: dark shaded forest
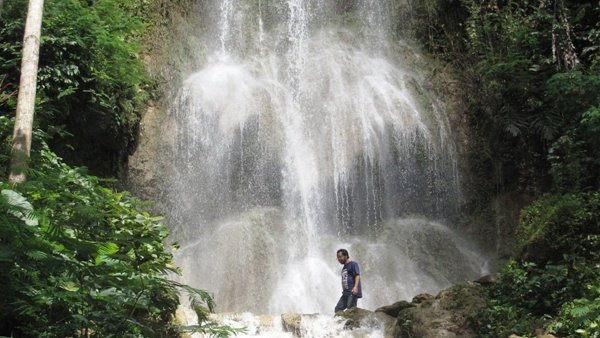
x=531, y=77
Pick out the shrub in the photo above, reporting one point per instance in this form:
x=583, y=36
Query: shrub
x=581, y=316
x=556, y=227
x=82, y=260
x=559, y=236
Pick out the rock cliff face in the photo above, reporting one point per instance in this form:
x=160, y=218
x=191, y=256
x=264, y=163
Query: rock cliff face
x=167, y=56
x=167, y=47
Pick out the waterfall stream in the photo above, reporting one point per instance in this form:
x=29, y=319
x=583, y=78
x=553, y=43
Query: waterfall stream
x=306, y=130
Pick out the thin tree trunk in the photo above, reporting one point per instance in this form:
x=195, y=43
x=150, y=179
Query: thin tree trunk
x=26, y=100
x=1, y=4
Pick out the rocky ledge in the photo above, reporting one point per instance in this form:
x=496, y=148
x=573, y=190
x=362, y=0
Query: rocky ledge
x=426, y=316
x=445, y=315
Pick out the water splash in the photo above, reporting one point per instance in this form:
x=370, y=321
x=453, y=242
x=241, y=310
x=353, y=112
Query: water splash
x=309, y=326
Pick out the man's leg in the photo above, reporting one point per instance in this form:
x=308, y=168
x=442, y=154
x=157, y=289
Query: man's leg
x=342, y=304
x=351, y=301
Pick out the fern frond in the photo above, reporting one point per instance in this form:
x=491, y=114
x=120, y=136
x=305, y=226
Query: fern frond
x=36, y=255
x=20, y=207
x=580, y=311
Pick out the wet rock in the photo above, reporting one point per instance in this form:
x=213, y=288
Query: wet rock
x=487, y=279
x=394, y=309
x=360, y=318
x=291, y=322
x=265, y=321
x=420, y=298
x=355, y=317
x=443, y=316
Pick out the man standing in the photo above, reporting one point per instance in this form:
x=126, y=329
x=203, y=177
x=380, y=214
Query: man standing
x=351, y=285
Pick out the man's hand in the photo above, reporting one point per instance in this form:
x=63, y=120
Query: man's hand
x=356, y=284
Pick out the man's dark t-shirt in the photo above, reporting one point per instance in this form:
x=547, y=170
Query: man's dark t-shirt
x=349, y=273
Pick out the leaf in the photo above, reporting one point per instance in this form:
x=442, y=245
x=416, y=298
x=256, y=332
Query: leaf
x=66, y=92
x=103, y=259
x=513, y=130
x=109, y=292
x=590, y=49
x=36, y=255
x=108, y=248
x=581, y=311
x=24, y=210
x=69, y=286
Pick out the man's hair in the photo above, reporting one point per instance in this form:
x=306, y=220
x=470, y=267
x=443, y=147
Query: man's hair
x=344, y=252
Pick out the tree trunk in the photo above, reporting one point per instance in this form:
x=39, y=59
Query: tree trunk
x=21, y=146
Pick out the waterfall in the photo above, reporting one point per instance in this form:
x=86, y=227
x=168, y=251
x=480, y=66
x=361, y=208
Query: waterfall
x=306, y=130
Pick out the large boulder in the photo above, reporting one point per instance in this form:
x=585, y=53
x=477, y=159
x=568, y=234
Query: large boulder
x=394, y=309
x=443, y=316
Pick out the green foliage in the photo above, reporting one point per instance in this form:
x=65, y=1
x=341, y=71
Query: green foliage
x=6, y=127
x=556, y=227
x=203, y=305
x=560, y=236
x=530, y=72
x=79, y=259
x=91, y=81
x=575, y=157
x=82, y=260
x=501, y=319
x=439, y=24
x=582, y=315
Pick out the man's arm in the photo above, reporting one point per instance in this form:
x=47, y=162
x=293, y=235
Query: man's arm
x=356, y=284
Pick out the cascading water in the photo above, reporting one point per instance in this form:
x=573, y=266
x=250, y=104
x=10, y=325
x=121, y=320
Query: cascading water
x=303, y=132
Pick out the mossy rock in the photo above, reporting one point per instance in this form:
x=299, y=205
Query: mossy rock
x=443, y=316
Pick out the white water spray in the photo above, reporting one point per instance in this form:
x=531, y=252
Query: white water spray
x=304, y=132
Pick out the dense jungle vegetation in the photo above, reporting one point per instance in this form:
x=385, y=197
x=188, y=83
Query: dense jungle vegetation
x=79, y=258
x=531, y=73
